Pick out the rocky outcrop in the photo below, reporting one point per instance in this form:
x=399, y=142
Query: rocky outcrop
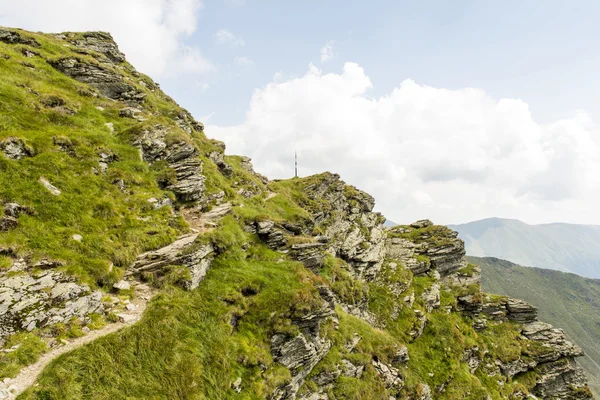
x=271, y=234
x=30, y=300
x=103, y=78
x=195, y=256
x=302, y=353
x=15, y=148
x=423, y=246
x=180, y=156
x=14, y=37
x=100, y=42
x=310, y=254
x=219, y=160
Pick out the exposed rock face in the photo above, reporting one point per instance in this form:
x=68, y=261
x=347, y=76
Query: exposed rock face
x=218, y=159
x=521, y=311
x=103, y=78
x=562, y=379
x=390, y=375
x=100, y=42
x=301, y=353
x=15, y=148
x=356, y=233
x=181, y=156
x=34, y=300
x=441, y=246
x=310, y=254
x=13, y=37
x=196, y=257
x=273, y=236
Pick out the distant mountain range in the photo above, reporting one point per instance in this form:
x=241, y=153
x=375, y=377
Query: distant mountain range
x=564, y=247
x=566, y=301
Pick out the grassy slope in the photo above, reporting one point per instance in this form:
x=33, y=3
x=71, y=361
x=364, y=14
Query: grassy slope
x=565, y=300
x=185, y=346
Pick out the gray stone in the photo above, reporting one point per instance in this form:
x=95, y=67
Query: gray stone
x=15, y=148
x=8, y=223
x=50, y=187
x=122, y=285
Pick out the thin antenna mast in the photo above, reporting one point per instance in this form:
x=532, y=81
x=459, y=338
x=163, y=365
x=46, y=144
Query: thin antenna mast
x=295, y=164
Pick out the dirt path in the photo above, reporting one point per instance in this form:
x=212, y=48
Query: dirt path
x=11, y=388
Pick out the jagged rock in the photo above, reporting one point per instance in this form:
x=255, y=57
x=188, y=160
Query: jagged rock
x=105, y=159
x=104, y=79
x=131, y=112
x=190, y=181
x=551, y=338
x=37, y=300
x=521, y=311
x=325, y=378
x=180, y=156
x=7, y=223
x=164, y=202
x=390, y=375
x=188, y=124
x=50, y=187
x=310, y=254
x=100, y=42
x=432, y=297
x=563, y=379
x=469, y=304
x=419, y=326
x=13, y=37
x=218, y=159
x=273, y=237
x=401, y=356
x=15, y=148
x=472, y=358
x=403, y=251
x=301, y=353
x=196, y=257
x=423, y=392
x=352, y=370
x=122, y=285
x=423, y=223
x=15, y=210
x=246, y=163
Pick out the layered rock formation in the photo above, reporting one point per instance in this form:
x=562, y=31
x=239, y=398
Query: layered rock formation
x=365, y=312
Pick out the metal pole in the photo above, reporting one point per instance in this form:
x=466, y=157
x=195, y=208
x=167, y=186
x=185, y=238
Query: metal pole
x=295, y=164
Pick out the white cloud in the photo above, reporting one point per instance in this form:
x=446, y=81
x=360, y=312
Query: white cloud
x=424, y=152
x=223, y=36
x=327, y=51
x=243, y=61
x=150, y=32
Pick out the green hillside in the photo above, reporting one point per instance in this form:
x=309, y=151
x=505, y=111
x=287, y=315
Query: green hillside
x=567, y=301
x=113, y=198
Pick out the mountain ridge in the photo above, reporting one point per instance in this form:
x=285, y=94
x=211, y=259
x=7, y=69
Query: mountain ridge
x=563, y=299
x=289, y=289
x=560, y=246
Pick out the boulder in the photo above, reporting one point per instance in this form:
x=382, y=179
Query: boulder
x=108, y=82
x=13, y=37
x=50, y=187
x=521, y=311
x=8, y=223
x=219, y=160
x=15, y=148
x=196, y=257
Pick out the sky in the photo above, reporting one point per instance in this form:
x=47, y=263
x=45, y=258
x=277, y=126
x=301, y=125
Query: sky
x=448, y=110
